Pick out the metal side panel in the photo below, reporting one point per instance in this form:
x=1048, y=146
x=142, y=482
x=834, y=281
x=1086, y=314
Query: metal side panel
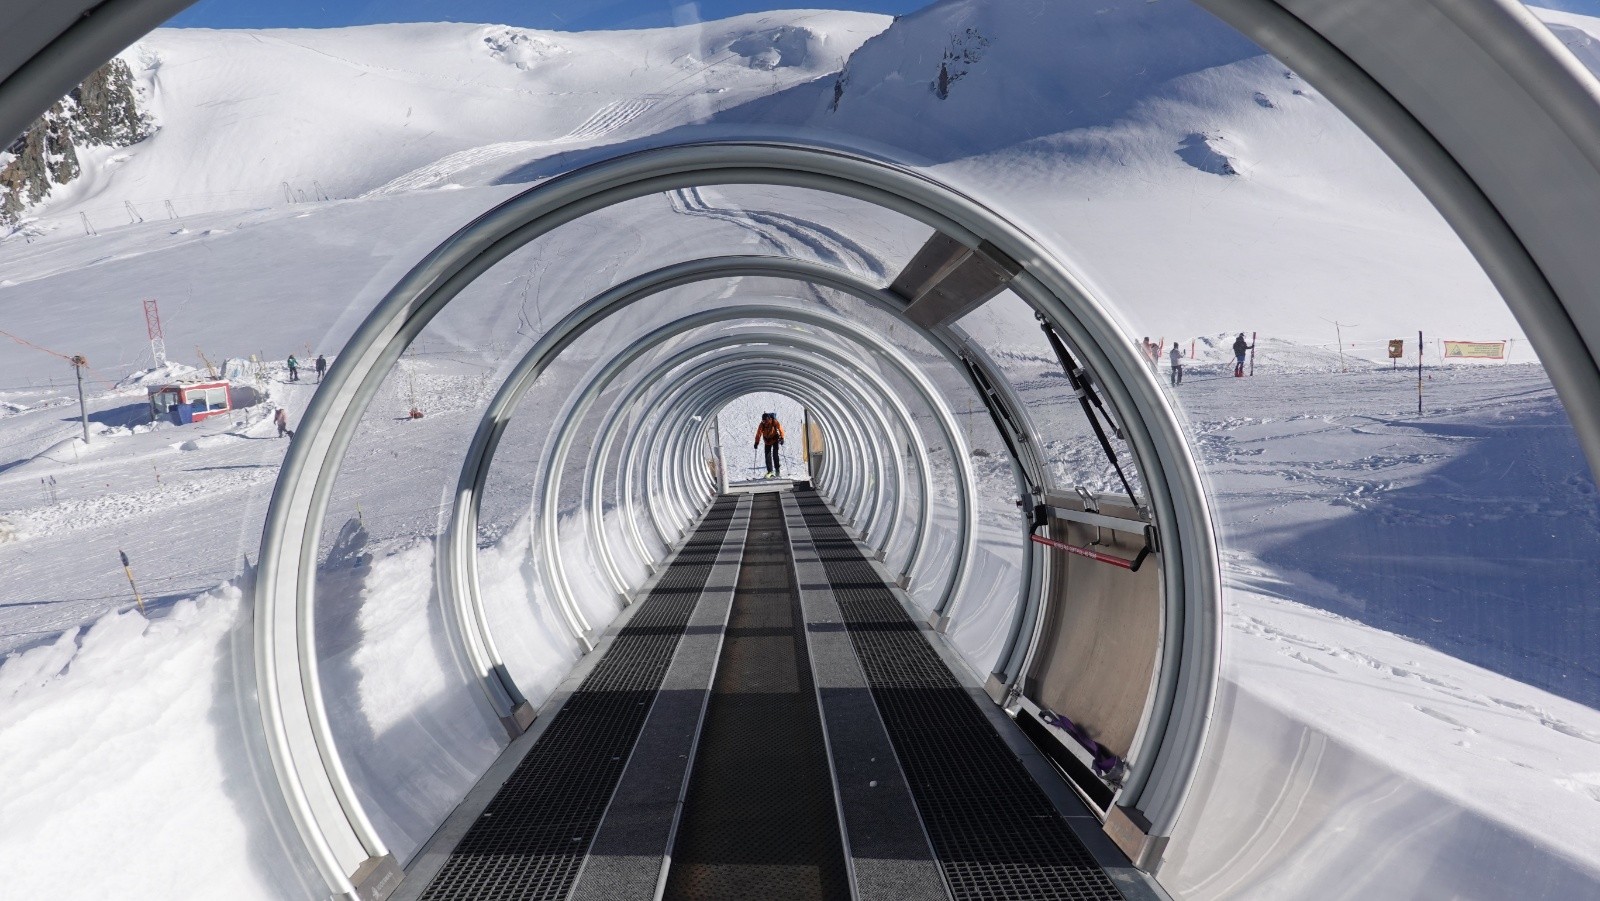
x=1102, y=636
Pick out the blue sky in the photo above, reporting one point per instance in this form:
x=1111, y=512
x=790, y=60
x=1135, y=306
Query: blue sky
x=565, y=15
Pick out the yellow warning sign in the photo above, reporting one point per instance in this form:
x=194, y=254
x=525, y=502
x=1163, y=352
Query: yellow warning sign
x=1474, y=350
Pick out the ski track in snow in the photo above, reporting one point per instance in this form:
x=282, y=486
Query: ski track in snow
x=786, y=233
x=1337, y=661
x=432, y=174
x=115, y=508
x=607, y=119
x=611, y=117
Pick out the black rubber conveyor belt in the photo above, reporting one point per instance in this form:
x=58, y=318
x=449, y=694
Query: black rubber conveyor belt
x=768, y=689
x=760, y=821
x=995, y=833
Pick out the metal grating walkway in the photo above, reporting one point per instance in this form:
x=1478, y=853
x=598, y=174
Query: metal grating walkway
x=748, y=832
x=994, y=832
x=532, y=839
x=590, y=812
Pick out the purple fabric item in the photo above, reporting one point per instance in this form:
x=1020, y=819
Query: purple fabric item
x=1104, y=760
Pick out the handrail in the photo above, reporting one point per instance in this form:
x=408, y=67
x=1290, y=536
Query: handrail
x=1129, y=565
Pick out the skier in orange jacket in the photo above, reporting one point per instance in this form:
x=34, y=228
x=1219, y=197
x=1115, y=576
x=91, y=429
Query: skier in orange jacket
x=770, y=431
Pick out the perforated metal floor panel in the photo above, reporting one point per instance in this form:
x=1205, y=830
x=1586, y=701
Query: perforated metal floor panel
x=994, y=831
x=532, y=838
x=760, y=819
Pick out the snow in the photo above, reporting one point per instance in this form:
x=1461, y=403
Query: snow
x=1414, y=595
x=741, y=416
x=137, y=739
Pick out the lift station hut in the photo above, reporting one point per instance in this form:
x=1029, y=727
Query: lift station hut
x=190, y=401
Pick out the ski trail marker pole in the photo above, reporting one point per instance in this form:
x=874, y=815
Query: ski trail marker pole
x=1252, y=354
x=127, y=570
x=1419, y=372
x=78, y=363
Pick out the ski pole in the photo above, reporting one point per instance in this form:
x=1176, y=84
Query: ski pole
x=127, y=570
x=1252, y=353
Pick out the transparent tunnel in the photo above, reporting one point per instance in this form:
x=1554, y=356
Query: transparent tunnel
x=1035, y=607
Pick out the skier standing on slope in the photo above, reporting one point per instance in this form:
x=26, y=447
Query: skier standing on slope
x=281, y=420
x=1176, y=355
x=294, y=369
x=770, y=431
x=1239, y=348
x=322, y=366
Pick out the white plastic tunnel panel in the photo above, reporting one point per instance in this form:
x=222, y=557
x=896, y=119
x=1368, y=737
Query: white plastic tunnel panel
x=1266, y=616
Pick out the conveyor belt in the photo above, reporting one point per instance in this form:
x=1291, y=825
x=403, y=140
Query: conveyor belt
x=533, y=837
x=995, y=833
x=602, y=796
x=760, y=821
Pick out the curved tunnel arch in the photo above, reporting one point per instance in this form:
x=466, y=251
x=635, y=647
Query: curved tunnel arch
x=1189, y=568
x=924, y=391
x=686, y=384
x=603, y=380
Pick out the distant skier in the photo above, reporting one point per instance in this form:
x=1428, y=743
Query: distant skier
x=1176, y=355
x=1151, y=352
x=294, y=369
x=1240, y=346
x=770, y=432
x=281, y=420
x=322, y=366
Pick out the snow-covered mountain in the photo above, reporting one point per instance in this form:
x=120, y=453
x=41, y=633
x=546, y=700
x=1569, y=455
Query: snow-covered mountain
x=102, y=112
x=249, y=118
x=961, y=78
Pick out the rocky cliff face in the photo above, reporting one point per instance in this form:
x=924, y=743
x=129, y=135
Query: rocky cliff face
x=101, y=112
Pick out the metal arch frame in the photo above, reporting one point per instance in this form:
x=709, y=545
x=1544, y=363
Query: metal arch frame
x=457, y=566
x=918, y=443
x=801, y=388
x=861, y=504
x=789, y=378
x=578, y=409
x=786, y=377
x=839, y=390
x=607, y=433
x=285, y=595
x=697, y=398
x=869, y=487
x=757, y=353
x=815, y=393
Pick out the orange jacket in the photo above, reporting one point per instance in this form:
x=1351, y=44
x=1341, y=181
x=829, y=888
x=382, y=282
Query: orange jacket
x=770, y=430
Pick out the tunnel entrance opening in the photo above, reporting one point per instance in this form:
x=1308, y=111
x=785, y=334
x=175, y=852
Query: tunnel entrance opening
x=745, y=416
x=877, y=465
